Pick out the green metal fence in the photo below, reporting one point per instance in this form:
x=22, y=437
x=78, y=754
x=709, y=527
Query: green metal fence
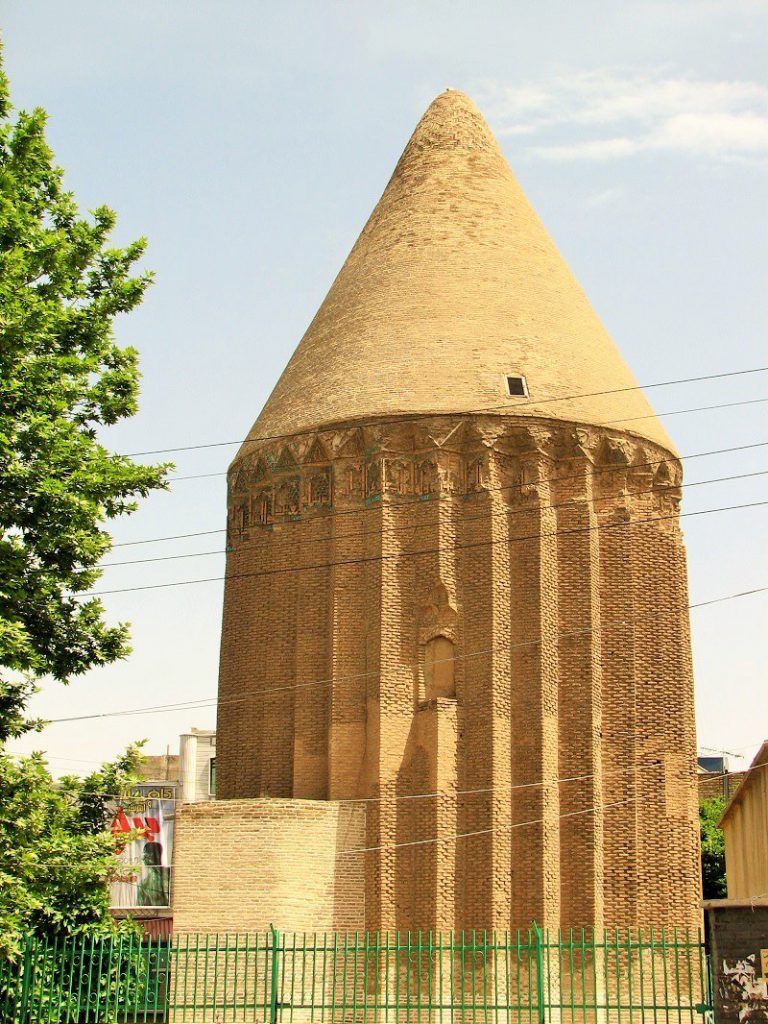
x=471, y=978
x=86, y=980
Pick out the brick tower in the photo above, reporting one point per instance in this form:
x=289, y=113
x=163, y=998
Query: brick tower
x=455, y=568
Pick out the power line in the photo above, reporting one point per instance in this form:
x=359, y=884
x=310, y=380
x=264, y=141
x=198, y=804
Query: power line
x=393, y=798
x=200, y=703
x=604, y=423
x=501, y=830
x=490, y=408
x=427, y=499
x=386, y=531
x=504, y=787
x=259, y=573
x=101, y=761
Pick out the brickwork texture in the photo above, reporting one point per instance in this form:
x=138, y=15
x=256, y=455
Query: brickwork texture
x=242, y=865
x=466, y=609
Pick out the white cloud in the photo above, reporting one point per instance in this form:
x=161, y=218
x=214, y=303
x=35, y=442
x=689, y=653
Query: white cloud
x=605, y=197
x=602, y=115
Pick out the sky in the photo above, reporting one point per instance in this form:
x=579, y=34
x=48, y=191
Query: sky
x=250, y=141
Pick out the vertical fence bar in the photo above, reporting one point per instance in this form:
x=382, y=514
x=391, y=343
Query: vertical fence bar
x=67, y=977
x=485, y=976
x=440, y=955
x=472, y=976
x=281, y=983
x=397, y=977
x=185, y=991
x=303, y=951
x=539, y=954
x=256, y=976
x=110, y=961
x=324, y=977
x=703, y=974
x=160, y=997
x=507, y=972
x=689, y=971
x=274, y=976
x=225, y=997
x=205, y=977
x=452, y=975
x=419, y=951
x=267, y=975
x=407, y=986
x=334, y=969
x=314, y=970
x=293, y=975
x=88, y=1003
x=641, y=973
x=25, y=979
x=173, y=975
x=630, y=1002
x=215, y=993
x=149, y=1000
x=377, y=968
x=344, y=976
x=495, y=963
x=32, y=991
x=652, y=946
x=47, y=982
x=246, y=978
x=366, y=954
x=354, y=977
x=675, y=941
x=127, y=972
x=386, y=977
x=571, y=972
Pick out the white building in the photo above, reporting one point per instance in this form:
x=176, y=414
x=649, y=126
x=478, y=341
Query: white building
x=197, y=765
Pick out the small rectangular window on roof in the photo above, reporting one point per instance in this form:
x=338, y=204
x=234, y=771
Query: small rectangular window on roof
x=516, y=386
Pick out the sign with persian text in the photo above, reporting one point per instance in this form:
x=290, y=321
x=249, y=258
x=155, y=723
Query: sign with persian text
x=143, y=829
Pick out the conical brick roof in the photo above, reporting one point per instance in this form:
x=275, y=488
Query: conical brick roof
x=453, y=284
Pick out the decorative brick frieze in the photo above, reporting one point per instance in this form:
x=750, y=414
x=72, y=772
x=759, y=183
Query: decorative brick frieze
x=311, y=475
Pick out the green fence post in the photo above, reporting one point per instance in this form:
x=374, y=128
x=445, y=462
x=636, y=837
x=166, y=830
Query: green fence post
x=26, y=979
x=275, y=976
x=538, y=939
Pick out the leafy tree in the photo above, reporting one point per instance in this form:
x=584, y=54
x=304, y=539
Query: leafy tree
x=57, y=853
x=62, y=379
x=712, y=848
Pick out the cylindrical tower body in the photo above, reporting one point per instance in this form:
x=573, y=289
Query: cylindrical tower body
x=456, y=585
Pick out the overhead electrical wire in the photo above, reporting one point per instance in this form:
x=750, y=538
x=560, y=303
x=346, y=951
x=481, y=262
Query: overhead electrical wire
x=391, y=798
x=395, y=797
x=491, y=408
x=504, y=829
x=260, y=573
x=604, y=423
x=497, y=830
x=200, y=703
x=429, y=498
x=405, y=527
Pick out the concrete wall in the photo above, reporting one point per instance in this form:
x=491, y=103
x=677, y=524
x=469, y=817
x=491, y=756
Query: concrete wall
x=738, y=941
x=241, y=865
